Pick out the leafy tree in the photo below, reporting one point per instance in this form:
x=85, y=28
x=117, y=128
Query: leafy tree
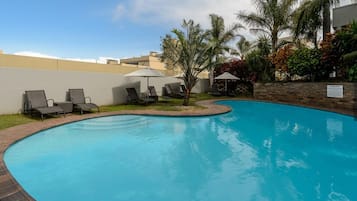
x=218, y=38
x=280, y=58
x=258, y=60
x=272, y=18
x=189, y=51
x=310, y=16
x=306, y=61
x=307, y=21
x=352, y=73
x=243, y=47
x=346, y=44
x=347, y=39
x=330, y=56
x=240, y=69
x=325, y=6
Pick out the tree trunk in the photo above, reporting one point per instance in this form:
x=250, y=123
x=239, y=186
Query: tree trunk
x=274, y=41
x=186, y=100
x=315, y=40
x=211, y=77
x=326, y=24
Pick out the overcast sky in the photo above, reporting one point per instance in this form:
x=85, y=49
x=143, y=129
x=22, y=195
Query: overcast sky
x=90, y=29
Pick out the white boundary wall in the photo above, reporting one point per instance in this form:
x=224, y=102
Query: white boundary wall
x=103, y=88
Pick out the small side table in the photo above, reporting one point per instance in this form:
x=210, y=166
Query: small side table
x=66, y=106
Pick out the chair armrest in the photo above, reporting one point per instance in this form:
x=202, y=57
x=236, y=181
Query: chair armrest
x=53, y=102
x=87, y=98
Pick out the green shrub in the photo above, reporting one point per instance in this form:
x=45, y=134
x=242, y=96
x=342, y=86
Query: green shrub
x=260, y=66
x=306, y=61
x=352, y=73
x=346, y=44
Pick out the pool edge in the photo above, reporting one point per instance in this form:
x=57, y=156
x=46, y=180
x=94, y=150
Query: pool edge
x=10, y=189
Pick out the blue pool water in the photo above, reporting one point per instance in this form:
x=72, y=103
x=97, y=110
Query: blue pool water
x=259, y=151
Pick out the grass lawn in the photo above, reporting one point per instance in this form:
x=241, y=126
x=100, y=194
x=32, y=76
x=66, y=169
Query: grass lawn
x=10, y=120
x=173, y=104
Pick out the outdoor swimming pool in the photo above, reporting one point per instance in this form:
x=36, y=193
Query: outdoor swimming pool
x=259, y=151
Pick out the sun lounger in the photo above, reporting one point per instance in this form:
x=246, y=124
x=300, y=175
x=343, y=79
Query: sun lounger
x=153, y=94
x=174, y=90
x=214, y=91
x=134, y=98
x=36, y=101
x=80, y=102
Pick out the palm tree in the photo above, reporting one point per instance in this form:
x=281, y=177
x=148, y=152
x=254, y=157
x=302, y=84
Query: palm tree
x=243, y=47
x=272, y=18
x=189, y=51
x=258, y=61
x=219, y=37
x=311, y=15
x=307, y=21
x=218, y=40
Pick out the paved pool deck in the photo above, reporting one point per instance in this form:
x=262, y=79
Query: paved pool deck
x=10, y=190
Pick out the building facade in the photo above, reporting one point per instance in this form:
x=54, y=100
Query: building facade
x=152, y=60
x=344, y=13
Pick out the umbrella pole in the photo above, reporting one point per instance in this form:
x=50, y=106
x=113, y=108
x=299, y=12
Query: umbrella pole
x=226, y=87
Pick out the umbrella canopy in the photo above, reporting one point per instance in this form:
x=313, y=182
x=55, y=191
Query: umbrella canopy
x=145, y=72
x=226, y=76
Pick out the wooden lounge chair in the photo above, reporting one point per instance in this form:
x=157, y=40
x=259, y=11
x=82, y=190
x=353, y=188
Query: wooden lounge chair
x=134, y=98
x=37, y=102
x=80, y=102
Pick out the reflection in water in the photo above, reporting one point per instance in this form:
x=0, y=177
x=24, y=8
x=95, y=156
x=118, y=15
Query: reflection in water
x=300, y=129
x=334, y=128
x=259, y=151
x=267, y=144
x=179, y=127
x=281, y=126
x=335, y=196
x=295, y=128
x=235, y=169
x=295, y=151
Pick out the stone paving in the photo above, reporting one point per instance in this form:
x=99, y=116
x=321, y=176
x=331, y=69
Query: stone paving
x=10, y=190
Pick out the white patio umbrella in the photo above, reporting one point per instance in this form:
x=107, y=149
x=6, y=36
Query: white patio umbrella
x=145, y=72
x=226, y=76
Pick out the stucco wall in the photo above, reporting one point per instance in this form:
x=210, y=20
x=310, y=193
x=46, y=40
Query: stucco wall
x=313, y=94
x=62, y=65
x=104, y=88
x=104, y=83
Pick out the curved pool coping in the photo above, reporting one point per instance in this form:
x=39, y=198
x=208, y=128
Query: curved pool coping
x=11, y=190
